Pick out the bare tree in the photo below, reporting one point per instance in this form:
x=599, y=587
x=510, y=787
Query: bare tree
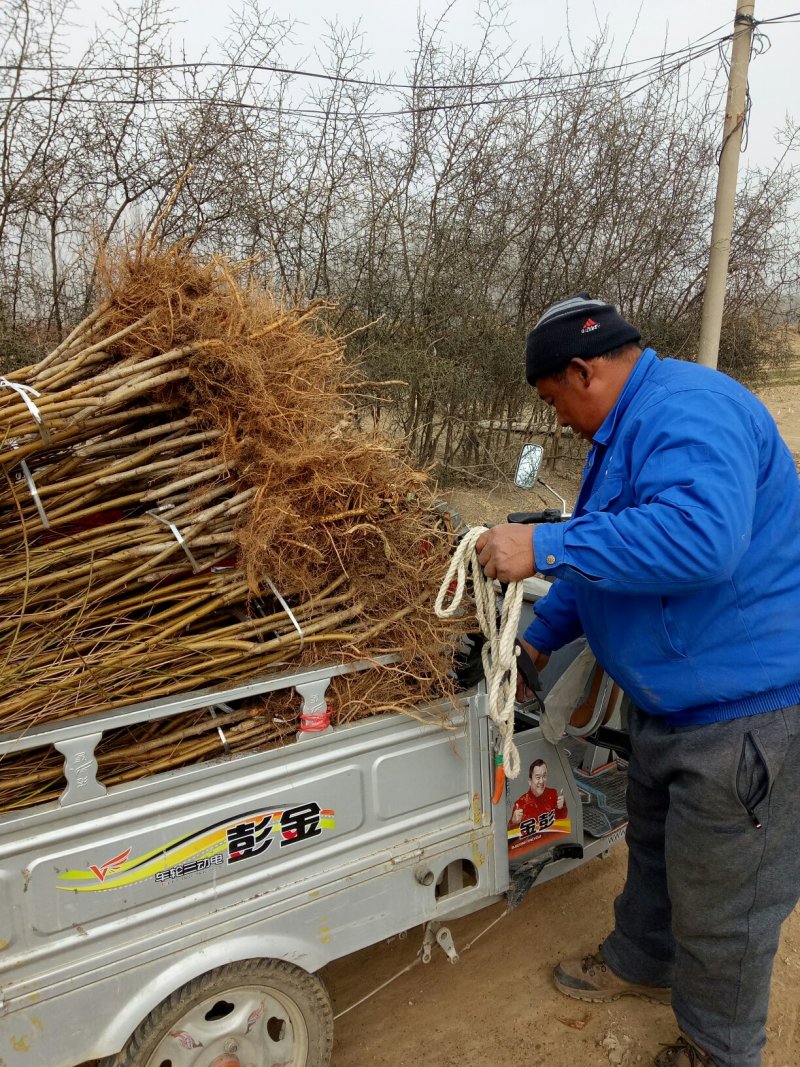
x=441, y=216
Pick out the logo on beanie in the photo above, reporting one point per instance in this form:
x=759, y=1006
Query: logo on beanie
x=589, y=326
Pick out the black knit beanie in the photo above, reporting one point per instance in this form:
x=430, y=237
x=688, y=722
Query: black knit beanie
x=577, y=327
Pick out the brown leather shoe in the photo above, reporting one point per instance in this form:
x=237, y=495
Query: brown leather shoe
x=684, y=1053
x=592, y=979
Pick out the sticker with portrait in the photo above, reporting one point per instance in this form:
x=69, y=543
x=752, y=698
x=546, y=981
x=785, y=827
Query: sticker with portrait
x=539, y=816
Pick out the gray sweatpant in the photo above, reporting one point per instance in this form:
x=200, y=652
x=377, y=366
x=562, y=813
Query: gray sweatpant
x=713, y=871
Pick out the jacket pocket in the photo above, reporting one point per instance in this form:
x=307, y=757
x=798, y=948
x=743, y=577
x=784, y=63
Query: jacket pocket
x=605, y=493
x=670, y=634
x=753, y=779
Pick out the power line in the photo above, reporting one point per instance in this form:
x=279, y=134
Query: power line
x=791, y=17
x=656, y=72
x=152, y=68
x=660, y=68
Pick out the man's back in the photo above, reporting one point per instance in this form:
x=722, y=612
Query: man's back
x=686, y=572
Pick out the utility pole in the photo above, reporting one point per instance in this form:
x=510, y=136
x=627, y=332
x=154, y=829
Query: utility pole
x=722, y=228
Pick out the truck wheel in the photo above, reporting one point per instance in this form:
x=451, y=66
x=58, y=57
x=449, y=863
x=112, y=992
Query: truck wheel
x=258, y=1013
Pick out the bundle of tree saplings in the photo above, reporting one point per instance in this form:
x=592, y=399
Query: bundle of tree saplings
x=185, y=501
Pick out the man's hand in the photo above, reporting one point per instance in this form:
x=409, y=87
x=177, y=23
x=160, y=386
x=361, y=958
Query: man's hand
x=506, y=552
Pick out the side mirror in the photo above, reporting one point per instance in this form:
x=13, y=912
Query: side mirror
x=530, y=460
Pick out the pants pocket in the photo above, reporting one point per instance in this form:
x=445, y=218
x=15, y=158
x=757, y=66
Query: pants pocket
x=753, y=780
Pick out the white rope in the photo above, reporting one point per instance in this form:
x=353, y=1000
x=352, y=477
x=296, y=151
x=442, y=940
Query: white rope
x=415, y=961
x=499, y=652
x=383, y=985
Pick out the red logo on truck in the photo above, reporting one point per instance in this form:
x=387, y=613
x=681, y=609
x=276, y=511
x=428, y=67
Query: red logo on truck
x=110, y=865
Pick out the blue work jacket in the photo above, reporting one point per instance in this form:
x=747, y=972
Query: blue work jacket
x=681, y=563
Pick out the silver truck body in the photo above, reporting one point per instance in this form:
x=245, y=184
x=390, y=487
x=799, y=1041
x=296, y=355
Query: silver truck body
x=114, y=899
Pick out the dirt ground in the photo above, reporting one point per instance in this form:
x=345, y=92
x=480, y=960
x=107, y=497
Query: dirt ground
x=497, y=1006
x=782, y=397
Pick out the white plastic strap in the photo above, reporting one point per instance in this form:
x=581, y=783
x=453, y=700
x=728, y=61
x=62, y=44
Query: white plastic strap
x=35, y=494
x=26, y=472
x=178, y=537
x=26, y=392
x=289, y=612
x=222, y=737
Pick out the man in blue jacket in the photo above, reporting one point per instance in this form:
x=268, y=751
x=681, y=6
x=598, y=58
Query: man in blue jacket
x=681, y=565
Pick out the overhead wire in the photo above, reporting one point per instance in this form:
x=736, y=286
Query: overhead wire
x=759, y=45
x=661, y=67
x=654, y=73
x=152, y=68
x=792, y=16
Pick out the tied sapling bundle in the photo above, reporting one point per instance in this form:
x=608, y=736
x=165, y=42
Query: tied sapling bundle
x=186, y=500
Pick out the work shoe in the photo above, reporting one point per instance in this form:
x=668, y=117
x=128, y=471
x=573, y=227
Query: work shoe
x=592, y=979
x=684, y=1053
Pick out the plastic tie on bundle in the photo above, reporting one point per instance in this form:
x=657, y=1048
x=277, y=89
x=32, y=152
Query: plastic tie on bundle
x=35, y=494
x=177, y=535
x=289, y=612
x=26, y=473
x=26, y=392
x=212, y=712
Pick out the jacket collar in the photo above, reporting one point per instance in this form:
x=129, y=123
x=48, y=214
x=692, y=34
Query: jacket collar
x=636, y=378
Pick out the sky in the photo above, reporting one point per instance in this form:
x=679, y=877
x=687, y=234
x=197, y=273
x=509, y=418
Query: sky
x=638, y=28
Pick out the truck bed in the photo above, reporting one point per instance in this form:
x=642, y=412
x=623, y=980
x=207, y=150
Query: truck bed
x=113, y=899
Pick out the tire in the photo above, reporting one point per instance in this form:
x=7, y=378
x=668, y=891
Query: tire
x=257, y=1013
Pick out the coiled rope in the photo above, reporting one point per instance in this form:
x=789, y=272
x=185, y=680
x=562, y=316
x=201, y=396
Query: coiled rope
x=499, y=653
